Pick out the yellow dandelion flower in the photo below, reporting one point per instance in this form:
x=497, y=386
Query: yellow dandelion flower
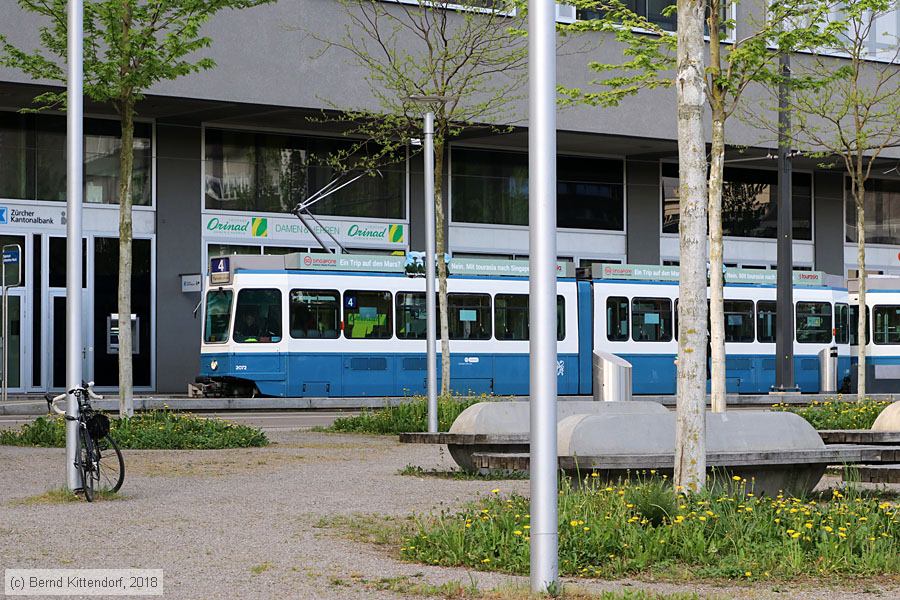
x=495, y=491
x=748, y=574
x=517, y=532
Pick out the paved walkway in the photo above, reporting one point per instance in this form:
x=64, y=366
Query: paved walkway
x=248, y=524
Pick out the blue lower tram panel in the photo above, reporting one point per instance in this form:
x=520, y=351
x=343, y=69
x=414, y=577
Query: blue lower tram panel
x=354, y=375
x=746, y=374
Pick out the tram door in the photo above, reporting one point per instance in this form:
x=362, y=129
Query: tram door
x=57, y=324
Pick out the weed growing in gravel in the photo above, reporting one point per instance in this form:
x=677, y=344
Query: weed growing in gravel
x=459, y=475
x=158, y=429
x=261, y=568
x=409, y=416
x=836, y=414
x=645, y=528
x=64, y=495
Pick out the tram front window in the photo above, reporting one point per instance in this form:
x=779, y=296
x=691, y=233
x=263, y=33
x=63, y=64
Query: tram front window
x=218, y=316
x=258, y=317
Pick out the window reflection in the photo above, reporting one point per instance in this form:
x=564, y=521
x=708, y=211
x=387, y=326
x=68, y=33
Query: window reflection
x=265, y=172
x=882, y=206
x=749, y=203
x=33, y=159
x=492, y=187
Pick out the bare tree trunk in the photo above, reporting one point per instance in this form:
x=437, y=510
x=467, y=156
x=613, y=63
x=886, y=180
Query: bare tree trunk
x=126, y=160
x=859, y=193
x=690, y=432
x=441, y=244
x=716, y=274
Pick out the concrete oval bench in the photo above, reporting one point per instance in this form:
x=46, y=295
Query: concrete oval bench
x=514, y=418
x=737, y=432
x=889, y=419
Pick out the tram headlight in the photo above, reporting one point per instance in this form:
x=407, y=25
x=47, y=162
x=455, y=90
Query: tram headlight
x=213, y=365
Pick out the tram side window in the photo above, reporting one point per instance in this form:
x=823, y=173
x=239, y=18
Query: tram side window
x=367, y=314
x=411, y=316
x=766, y=321
x=470, y=316
x=258, y=316
x=218, y=316
x=841, y=323
x=651, y=320
x=887, y=324
x=314, y=313
x=854, y=325
x=738, y=321
x=617, y=319
x=511, y=317
x=813, y=322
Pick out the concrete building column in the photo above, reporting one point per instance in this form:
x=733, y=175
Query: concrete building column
x=828, y=223
x=642, y=210
x=178, y=252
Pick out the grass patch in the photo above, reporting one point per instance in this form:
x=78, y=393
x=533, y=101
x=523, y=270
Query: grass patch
x=261, y=568
x=376, y=529
x=459, y=475
x=65, y=495
x=409, y=416
x=644, y=528
x=158, y=429
x=836, y=414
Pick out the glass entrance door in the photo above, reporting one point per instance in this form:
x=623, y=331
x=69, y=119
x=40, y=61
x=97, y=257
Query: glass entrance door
x=13, y=371
x=57, y=323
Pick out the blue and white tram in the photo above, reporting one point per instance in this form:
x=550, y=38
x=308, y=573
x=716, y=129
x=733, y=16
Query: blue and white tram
x=637, y=319
x=309, y=325
x=882, y=332
x=281, y=331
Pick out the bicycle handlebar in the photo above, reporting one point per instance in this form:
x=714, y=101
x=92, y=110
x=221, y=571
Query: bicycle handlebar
x=86, y=387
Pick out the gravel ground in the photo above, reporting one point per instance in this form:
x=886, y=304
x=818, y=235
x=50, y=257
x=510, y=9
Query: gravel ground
x=209, y=517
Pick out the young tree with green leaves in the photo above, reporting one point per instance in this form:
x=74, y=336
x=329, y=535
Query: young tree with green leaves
x=734, y=65
x=468, y=59
x=129, y=45
x=845, y=103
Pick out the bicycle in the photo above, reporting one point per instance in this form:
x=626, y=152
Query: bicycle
x=97, y=457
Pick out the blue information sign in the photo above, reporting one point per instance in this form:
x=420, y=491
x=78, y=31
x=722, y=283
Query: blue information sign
x=11, y=256
x=220, y=265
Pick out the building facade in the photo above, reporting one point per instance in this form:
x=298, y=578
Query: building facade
x=221, y=158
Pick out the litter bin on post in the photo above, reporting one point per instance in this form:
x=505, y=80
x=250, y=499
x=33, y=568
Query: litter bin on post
x=828, y=368
x=612, y=377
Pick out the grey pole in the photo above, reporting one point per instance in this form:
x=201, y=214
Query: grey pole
x=430, y=308
x=542, y=292
x=75, y=160
x=5, y=396
x=784, y=308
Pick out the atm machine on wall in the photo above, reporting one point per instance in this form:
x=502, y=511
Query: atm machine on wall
x=112, y=334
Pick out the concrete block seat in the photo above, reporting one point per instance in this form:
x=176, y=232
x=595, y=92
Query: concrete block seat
x=775, y=450
x=504, y=426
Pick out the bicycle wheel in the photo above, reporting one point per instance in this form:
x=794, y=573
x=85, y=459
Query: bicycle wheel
x=86, y=464
x=111, y=466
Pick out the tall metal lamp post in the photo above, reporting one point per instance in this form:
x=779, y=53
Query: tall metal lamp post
x=75, y=162
x=430, y=308
x=542, y=292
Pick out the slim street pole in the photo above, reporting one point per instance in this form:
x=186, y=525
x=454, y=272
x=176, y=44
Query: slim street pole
x=75, y=160
x=784, y=308
x=430, y=308
x=542, y=292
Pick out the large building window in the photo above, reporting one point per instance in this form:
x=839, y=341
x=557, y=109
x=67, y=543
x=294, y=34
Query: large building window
x=267, y=172
x=749, y=203
x=33, y=159
x=882, y=207
x=492, y=187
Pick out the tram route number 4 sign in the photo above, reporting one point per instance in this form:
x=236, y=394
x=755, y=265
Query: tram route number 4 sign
x=12, y=265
